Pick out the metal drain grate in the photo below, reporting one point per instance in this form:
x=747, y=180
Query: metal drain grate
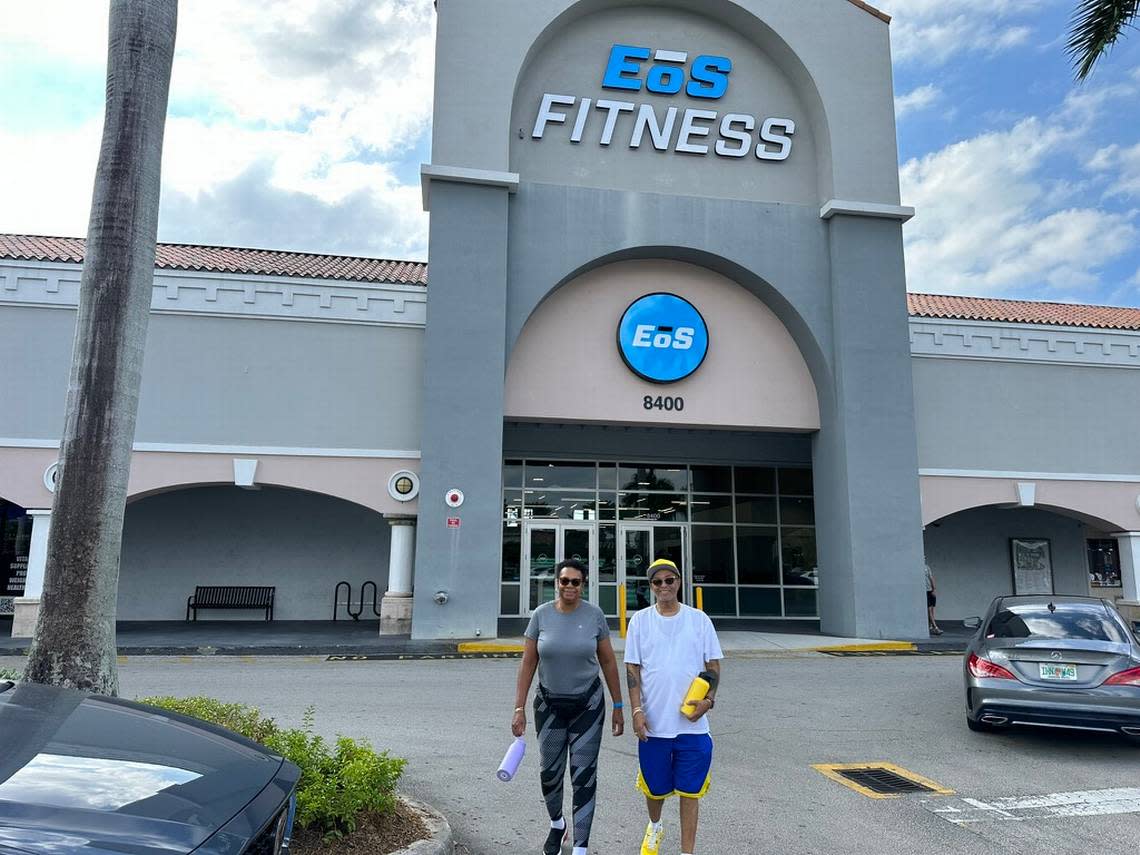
x=883, y=781
x=880, y=780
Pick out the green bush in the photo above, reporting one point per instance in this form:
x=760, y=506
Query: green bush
x=10, y=674
x=337, y=783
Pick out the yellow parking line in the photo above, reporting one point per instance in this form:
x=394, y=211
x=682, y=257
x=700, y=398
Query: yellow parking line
x=831, y=770
x=874, y=647
x=489, y=647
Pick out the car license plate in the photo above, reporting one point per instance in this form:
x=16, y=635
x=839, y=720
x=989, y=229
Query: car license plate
x=1049, y=671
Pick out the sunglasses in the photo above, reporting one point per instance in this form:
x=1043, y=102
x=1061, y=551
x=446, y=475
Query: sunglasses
x=665, y=580
x=567, y=580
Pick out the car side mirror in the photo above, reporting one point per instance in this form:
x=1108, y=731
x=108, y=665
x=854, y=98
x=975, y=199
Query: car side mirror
x=972, y=622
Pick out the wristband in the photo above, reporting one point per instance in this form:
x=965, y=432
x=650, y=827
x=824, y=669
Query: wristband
x=520, y=709
x=618, y=705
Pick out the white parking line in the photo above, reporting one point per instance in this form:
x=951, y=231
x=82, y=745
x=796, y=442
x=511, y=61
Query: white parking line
x=1050, y=806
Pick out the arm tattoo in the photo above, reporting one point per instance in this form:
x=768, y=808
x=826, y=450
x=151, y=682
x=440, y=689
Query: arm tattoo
x=631, y=679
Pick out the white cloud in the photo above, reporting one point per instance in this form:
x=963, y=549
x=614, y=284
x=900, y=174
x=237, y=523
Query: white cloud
x=1121, y=166
x=917, y=100
x=933, y=31
x=320, y=100
x=990, y=221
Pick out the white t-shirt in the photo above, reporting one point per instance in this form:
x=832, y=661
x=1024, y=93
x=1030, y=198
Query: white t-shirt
x=671, y=652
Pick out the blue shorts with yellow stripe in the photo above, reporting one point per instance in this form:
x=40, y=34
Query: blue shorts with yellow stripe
x=675, y=766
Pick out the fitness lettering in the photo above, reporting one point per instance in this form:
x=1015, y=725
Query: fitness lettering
x=688, y=131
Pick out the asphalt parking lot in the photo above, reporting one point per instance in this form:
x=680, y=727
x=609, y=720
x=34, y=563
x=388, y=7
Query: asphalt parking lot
x=776, y=718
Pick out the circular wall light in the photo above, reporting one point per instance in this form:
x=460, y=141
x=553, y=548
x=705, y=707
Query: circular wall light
x=51, y=477
x=404, y=485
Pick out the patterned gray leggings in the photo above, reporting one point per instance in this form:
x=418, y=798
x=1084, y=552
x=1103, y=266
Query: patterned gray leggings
x=575, y=730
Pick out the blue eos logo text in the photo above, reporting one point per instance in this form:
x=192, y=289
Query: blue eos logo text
x=662, y=338
x=708, y=78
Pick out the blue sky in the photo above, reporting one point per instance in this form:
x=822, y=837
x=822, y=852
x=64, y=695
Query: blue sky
x=305, y=130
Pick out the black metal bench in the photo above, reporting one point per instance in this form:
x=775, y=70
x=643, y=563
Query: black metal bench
x=231, y=597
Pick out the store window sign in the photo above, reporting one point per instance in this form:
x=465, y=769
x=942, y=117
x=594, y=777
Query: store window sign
x=693, y=131
x=662, y=338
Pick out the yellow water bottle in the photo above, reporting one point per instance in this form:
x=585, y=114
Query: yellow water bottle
x=697, y=691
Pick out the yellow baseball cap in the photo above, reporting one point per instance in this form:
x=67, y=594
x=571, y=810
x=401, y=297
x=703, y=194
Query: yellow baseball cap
x=662, y=564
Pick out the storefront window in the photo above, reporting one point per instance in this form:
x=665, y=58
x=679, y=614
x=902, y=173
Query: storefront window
x=643, y=477
x=798, y=545
x=1104, y=563
x=15, y=540
x=744, y=534
x=758, y=555
x=712, y=555
x=760, y=602
x=756, y=479
x=796, y=482
x=712, y=479
x=561, y=476
x=756, y=510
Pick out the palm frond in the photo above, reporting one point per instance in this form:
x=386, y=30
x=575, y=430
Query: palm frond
x=1094, y=28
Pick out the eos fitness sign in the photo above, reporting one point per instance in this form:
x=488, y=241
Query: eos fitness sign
x=689, y=131
x=662, y=338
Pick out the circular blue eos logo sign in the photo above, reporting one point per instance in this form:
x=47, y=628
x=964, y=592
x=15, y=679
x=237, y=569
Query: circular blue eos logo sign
x=662, y=338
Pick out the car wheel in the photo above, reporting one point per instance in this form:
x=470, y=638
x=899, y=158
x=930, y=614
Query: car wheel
x=980, y=727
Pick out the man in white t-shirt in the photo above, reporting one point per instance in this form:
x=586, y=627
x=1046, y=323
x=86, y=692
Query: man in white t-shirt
x=668, y=644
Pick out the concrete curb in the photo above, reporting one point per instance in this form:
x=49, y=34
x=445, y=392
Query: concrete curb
x=441, y=841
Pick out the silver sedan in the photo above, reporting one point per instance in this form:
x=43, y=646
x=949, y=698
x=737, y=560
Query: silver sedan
x=1053, y=661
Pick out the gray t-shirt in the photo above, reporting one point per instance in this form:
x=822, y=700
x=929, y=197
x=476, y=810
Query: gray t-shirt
x=567, y=646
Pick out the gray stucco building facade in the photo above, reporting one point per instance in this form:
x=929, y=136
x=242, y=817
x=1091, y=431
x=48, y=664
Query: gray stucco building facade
x=667, y=316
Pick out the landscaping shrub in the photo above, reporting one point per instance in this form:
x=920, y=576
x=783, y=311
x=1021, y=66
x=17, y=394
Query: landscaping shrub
x=338, y=782
x=9, y=674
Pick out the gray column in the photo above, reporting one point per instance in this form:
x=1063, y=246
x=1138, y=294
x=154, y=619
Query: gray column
x=868, y=508
x=457, y=562
x=1129, y=548
x=396, y=606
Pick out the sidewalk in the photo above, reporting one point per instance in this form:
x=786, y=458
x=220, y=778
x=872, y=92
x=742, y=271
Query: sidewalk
x=362, y=638
x=736, y=642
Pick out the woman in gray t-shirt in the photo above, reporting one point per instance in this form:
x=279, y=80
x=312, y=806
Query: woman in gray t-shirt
x=567, y=641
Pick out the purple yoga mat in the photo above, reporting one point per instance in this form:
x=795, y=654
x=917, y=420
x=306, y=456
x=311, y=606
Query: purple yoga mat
x=511, y=760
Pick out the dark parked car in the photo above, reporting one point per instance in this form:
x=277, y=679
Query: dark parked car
x=92, y=774
x=1053, y=661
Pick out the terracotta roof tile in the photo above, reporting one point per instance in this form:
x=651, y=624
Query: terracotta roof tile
x=882, y=16
x=1023, y=312
x=220, y=259
x=266, y=262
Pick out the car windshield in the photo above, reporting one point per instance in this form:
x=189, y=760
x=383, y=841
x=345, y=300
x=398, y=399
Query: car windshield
x=1062, y=621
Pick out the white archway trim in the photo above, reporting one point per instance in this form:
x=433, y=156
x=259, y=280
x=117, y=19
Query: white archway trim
x=1113, y=502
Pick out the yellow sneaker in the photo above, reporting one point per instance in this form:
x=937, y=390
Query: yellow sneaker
x=651, y=843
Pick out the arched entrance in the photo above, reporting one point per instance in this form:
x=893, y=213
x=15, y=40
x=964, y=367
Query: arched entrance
x=300, y=542
x=980, y=553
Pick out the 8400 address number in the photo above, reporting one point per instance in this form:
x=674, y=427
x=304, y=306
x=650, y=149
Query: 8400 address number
x=663, y=402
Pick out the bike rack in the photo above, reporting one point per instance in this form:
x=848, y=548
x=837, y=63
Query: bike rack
x=355, y=615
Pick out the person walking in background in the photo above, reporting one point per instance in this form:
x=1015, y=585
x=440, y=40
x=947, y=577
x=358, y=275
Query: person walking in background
x=567, y=640
x=931, y=601
x=666, y=646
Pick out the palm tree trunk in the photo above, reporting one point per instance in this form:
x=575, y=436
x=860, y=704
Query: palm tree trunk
x=74, y=642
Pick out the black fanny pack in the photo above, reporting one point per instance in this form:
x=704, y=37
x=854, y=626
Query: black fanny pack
x=565, y=706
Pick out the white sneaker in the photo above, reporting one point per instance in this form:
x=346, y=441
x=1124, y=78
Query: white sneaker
x=651, y=843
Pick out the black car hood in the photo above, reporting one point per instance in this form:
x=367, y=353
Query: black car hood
x=103, y=775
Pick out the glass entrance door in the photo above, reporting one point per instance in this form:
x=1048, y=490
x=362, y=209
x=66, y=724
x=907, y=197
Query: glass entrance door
x=638, y=547
x=544, y=546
